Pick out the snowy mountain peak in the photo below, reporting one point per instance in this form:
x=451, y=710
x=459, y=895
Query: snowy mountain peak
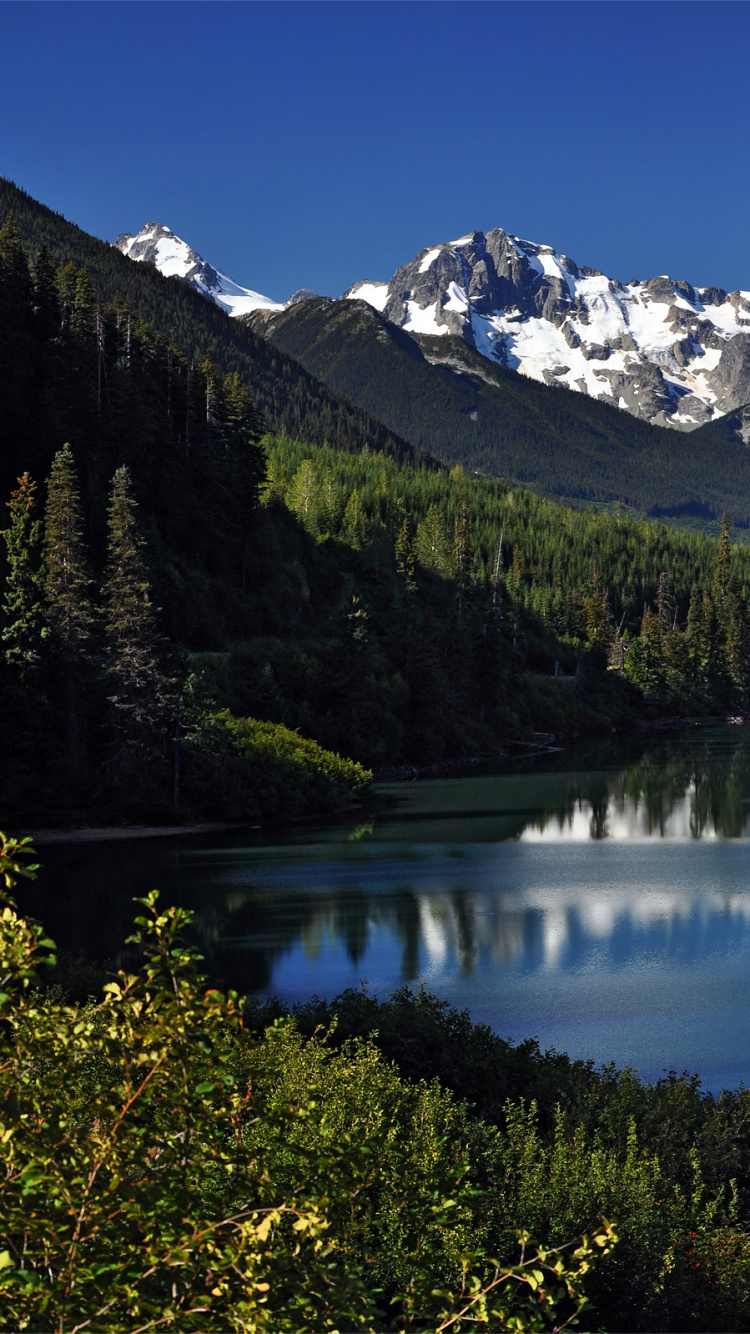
x=666, y=351
x=156, y=244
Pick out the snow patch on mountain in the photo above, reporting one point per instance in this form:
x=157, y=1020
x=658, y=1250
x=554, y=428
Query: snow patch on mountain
x=375, y=294
x=156, y=244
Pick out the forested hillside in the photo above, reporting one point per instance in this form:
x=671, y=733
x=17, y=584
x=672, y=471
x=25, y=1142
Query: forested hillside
x=441, y=395
x=165, y=563
x=290, y=399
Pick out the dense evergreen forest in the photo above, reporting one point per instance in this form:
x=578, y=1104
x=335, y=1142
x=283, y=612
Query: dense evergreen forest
x=167, y=564
x=442, y=395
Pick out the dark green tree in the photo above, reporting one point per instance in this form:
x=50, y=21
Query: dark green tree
x=599, y=628
x=46, y=297
x=723, y=557
x=645, y=663
x=17, y=360
x=737, y=639
x=405, y=552
x=67, y=588
x=14, y=268
x=83, y=314
x=141, y=693
x=702, y=639
x=463, y=549
x=23, y=603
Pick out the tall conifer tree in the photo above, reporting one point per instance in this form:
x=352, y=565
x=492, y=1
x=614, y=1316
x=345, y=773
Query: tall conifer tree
x=463, y=549
x=133, y=648
x=23, y=603
x=723, y=558
x=46, y=297
x=67, y=587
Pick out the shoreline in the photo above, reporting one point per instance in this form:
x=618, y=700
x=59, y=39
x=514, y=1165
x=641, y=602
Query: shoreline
x=388, y=774
x=101, y=834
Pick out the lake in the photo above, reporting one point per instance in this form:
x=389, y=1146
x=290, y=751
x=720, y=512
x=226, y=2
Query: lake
x=597, y=898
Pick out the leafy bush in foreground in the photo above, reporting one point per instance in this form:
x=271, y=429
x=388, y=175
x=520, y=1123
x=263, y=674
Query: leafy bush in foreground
x=158, y=1169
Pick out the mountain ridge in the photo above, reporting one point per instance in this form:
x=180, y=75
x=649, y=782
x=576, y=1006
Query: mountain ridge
x=661, y=349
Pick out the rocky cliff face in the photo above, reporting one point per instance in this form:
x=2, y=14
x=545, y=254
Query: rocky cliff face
x=667, y=352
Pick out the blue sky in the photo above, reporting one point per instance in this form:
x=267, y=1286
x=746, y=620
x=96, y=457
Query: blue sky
x=313, y=144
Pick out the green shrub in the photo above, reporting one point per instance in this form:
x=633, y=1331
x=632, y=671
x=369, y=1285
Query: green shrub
x=240, y=768
x=159, y=1169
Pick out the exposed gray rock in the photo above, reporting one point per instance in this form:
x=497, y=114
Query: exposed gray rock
x=660, y=289
x=572, y=338
x=302, y=294
x=731, y=379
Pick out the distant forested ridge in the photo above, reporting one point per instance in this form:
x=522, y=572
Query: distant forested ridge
x=173, y=578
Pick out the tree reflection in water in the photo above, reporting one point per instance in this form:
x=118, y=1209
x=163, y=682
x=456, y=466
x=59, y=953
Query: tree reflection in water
x=443, y=883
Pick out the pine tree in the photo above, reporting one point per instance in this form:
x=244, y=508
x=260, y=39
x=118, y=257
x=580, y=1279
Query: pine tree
x=665, y=605
x=302, y=497
x=67, y=587
x=599, y=627
x=67, y=277
x=723, y=557
x=17, y=360
x=406, y=555
x=645, y=663
x=23, y=604
x=517, y=571
x=134, y=651
x=14, y=268
x=245, y=423
x=215, y=410
x=46, y=297
x=703, y=641
x=83, y=314
x=463, y=550
x=737, y=640
x=432, y=542
x=354, y=522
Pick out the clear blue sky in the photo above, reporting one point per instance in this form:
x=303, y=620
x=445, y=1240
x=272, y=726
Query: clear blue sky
x=313, y=144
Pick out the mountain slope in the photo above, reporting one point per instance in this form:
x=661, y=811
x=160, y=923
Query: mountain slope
x=441, y=394
x=291, y=399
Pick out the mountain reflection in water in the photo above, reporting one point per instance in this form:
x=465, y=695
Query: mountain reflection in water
x=598, y=899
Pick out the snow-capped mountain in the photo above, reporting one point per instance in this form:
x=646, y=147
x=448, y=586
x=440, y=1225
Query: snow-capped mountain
x=174, y=258
x=669, y=353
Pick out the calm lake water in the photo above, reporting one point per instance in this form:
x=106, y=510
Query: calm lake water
x=598, y=899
